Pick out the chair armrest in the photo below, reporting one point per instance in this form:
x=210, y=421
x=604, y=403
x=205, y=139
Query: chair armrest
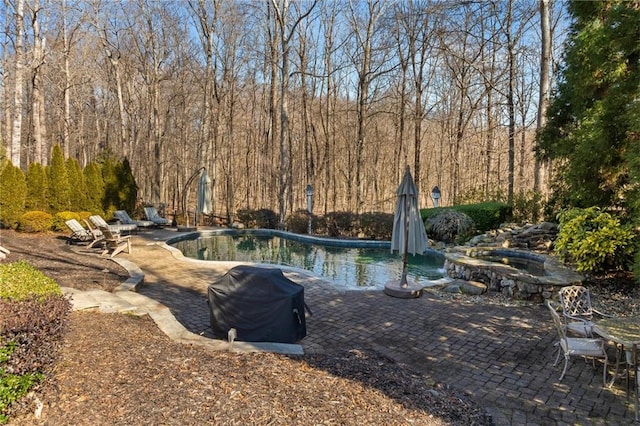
x=602, y=314
x=580, y=319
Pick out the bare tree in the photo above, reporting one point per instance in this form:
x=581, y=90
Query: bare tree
x=40, y=154
x=543, y=95
x=18, y=85
x=287, y=31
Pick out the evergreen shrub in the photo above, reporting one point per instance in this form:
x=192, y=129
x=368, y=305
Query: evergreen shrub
x=298, y=221
x=376, y=225
x=59, y=189
x=262, y=218
x=594, y=240
x=34, y=317
x=13, y=188
x=60, y=218
x=341, y=224
x=36, y=221
x=37, y=188
x=486, y=216
x=78, y=194
x=95, y=187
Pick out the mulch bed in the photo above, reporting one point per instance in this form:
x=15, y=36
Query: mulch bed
x=119, y=369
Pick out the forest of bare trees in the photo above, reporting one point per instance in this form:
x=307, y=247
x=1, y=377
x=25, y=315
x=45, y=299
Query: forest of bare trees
x=273, y=95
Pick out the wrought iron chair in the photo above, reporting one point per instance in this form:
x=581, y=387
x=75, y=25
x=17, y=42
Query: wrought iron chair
x=577, y=346
x=577, y=310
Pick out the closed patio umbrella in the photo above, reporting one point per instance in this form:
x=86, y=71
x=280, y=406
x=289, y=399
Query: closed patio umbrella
x=409, y=236
x=204, y=193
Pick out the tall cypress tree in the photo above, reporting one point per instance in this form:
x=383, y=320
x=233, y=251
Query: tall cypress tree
x=59, y=190
x=128, y=188
x=77, y=185
x=37, y=187
x=13, y=190
x=95, y=187
x=593, y=128
x=111, y=199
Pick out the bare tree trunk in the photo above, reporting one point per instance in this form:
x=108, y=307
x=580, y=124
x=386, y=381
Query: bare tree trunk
x=40, y=154
x=16, y=130
x=510, y=103
x=66, y=132
x=539, y=182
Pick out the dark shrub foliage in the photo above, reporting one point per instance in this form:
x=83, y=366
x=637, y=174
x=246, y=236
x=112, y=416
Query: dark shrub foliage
x=36, y=221
x=262, y=218
x=376, y=225
x=33, y=317
x=36, y=327
x=298, y=222
x=341, y=224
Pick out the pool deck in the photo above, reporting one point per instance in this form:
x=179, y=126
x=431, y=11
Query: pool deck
x=500, y=355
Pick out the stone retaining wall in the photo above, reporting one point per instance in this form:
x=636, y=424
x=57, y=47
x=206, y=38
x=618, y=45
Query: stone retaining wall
x=465, y=263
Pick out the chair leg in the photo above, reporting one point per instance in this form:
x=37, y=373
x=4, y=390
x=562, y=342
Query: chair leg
x=564, y=370
x=557, y=353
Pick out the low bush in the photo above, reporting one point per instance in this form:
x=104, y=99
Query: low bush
x=376, y=225
x=20, y=280
x=262, y=218
x=298, y=222
x=34, y=316
x=60, y=218
x=450, y=226
x=12, y=386
x=594, y=240
x=35, y=221
x=486, y=216
x=341, y=224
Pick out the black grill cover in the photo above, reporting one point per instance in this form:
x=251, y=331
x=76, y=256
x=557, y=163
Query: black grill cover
x=260, y=303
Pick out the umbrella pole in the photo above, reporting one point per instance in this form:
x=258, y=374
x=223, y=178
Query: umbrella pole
x=405, y=260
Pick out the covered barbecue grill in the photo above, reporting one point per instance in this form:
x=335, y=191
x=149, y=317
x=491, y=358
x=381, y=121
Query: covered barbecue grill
x=261, y=304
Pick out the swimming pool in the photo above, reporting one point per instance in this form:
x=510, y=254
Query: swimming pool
x=354, y=264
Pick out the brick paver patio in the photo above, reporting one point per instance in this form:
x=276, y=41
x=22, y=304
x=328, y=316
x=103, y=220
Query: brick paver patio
x=500, y=355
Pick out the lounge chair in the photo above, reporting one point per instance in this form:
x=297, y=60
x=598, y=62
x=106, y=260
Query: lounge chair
x=124, y=218
x=81, y=234
x=3, y=253
x=98, y=222
x=152, y=214
x=115, y=243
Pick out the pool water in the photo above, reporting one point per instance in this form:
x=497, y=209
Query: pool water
x=529, y=266
x=353, y=268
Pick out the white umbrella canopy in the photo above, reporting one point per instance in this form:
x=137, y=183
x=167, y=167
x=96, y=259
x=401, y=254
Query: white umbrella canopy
x=204, y=194
x=408, y=236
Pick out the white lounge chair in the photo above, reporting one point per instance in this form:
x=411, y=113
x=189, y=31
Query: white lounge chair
x=81, y=234
x=152, y=214
x=124, y=218
x=99, y=222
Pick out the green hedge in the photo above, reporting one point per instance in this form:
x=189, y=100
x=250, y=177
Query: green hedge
x=485, y=216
